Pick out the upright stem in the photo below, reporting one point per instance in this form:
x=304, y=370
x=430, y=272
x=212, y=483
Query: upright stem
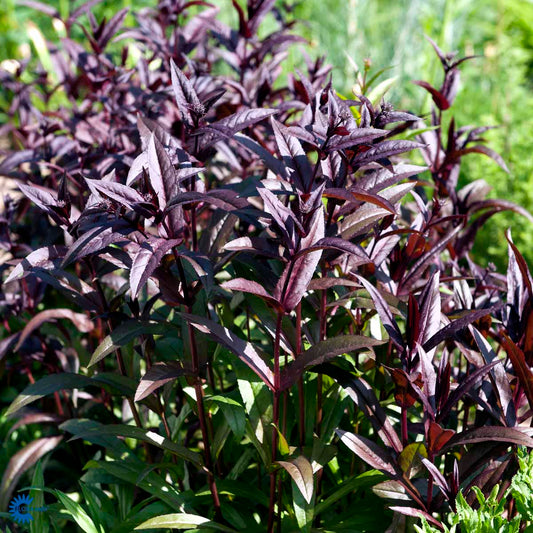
x=275, y=420
x=430, y=486
x=199, y=392
x=301, y=399
x=405, y=438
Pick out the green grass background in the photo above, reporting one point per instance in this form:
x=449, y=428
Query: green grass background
x=496, y=89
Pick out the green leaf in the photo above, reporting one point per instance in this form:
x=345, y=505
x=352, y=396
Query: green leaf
x=114, y=383
x=301, y=471
x=95, y=506
x=125, y=333
x=283, y=445
x=379, y=91
x=183, y=521
x=363, y=481
x=40, y=519
x=233, y=412
x=122, y=430
x=47, y=385
x=76, y=511
x=303, y=510
x=128, y=471
x=409, y=458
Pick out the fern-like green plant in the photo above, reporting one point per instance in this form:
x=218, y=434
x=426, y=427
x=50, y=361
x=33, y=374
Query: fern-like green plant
x=489, y=517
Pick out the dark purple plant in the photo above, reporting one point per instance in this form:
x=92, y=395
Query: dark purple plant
x=259, y=269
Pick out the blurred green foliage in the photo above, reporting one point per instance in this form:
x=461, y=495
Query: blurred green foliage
x=496, y=89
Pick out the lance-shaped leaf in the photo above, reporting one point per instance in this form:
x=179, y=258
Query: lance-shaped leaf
x=258, y=245
x=301, y=472
x=81, y=321
x=40, y=196
x=489, y=433
x=426, y=258
x=369, y=452
x=516, y=258
x=520, y=366
x=322, y=352
x=96, y=239
x=468, y=383
x=157, y=375
x=146, y=260
x=161, y=171
x=182, y=521
x=430, y=309
x=364, y=397
x=381, y=178
x=502, y=387
x=222, y=198
x=354, y=195
x=297, y=274
x=186, y=98
x=227, y=127
x=242, y=119
x=438, y=98
x=482, y=149
x=251, y=287
x=132, y=432
x=457, y=325
x=282, y=215
x=22, y=461
x=341, y=245
x=122, y=194
x=293, y=155
x=384, y=150
x=384, y=313
x=42, y=258
x=416, y=513
x=357, y=136
x=112, y=27
x=47, y=385
x=125, y=333
x=272, y=163
x=242, y=349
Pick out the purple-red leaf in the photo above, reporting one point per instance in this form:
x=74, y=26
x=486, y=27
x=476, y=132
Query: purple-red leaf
x=500, y=379
x=384, y=313
x=369, y=452
x=384, y=150
x=342, y=245
x=82, y=322
x=520, y=366
x=354, y=195
x=22, y=461
x=252, y=287
x=157, y=376
x=416, y=513
x=487, y=434
x=321, y=352
x=242, y=349
x=293, y=155
x=457, y=325
x=41, y=258
x=146, y=260
x=467, y=383
x=298, y=273
x=440, y=100
x=186, y=97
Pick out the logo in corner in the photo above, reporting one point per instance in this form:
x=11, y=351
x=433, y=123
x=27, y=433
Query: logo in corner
x=19, y=508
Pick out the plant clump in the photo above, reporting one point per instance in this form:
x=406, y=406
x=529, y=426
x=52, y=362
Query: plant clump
x=233, y=301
